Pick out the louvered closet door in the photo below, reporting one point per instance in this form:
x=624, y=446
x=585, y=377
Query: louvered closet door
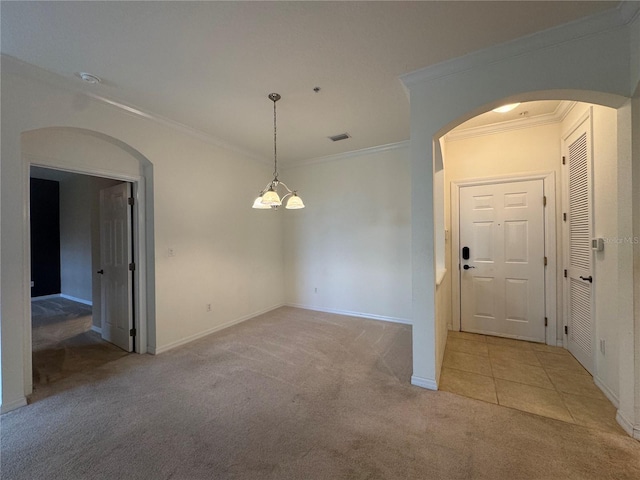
x=579, y=286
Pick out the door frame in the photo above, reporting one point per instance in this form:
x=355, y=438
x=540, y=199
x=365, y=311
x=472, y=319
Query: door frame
x=140, y=307
x=550, y=246
x=585, y=119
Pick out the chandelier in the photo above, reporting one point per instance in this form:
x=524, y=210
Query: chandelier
x=268, y=197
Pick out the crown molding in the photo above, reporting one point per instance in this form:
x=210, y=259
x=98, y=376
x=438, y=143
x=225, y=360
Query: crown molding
x=15, y=66
x=347, y=155
x=629, y=11
x=557, y=116
x=622, y=15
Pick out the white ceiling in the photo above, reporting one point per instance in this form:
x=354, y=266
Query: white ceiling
x=210, y=65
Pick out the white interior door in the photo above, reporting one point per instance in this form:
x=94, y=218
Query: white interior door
x=578, y=232
x=502, y=278
x=115, y=258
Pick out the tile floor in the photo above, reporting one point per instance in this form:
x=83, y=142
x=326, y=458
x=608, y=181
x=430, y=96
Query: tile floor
x=532, y=377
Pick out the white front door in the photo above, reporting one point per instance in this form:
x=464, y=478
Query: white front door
x=115, y=258
x=578, y=231
x=502, y=259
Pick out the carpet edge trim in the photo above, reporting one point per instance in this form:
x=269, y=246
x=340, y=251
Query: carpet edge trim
x=631, y=429
x=76, y=299
x=9, y=406
x=613, y=398
x=427, y=383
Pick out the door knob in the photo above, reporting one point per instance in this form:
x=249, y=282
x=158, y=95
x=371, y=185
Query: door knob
x=588, y=279
x=467, y=267
x=101, y=272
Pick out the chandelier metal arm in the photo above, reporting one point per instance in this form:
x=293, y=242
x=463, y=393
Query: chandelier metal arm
x=285, y=186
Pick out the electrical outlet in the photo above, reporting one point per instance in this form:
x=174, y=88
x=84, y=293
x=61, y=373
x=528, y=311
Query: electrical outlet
x=602, y=346
x=171, y=252
x=33, y=284
x=315, y=290
x=208, y=307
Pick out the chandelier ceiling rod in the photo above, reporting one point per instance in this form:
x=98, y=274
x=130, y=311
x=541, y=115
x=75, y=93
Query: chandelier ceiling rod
x=275, y=97
x=269, y=198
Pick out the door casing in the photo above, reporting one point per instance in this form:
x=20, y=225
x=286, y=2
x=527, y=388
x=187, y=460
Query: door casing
x=140, y=255
x=585, y=120
x=550, y=273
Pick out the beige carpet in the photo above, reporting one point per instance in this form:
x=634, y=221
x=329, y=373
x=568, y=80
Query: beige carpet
x=291, y=394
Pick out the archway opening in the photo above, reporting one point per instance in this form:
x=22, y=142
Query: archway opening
x=481, y=150
x=82, y=153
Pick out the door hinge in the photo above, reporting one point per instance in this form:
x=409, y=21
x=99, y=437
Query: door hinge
x=564, y=160
x=566, y=329
x=565, y=273
x=132, y=332
x=564, y=217
x=544, y=201
x=545, y=261
x=131, y=201
x=546, y=321
x=132, y=267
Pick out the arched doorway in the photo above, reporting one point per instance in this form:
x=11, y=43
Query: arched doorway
x=566, y=63
x=482, y=153
x=87, y=152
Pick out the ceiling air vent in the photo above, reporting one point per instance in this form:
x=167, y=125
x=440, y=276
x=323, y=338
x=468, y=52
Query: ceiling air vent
x=340, y=136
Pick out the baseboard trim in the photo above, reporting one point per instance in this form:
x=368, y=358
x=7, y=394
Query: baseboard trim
x=627, y=426
x=65, y=296
x=96, y=329
x=613, y=398
x=76, y=299
x=46, y=297
x=191, y=338
x=370, y=316
x=9, y=406
x=427, y=383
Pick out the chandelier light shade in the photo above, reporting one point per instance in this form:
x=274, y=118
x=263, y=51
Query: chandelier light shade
x=258, y=203
x=294, y=202
x=268, y=198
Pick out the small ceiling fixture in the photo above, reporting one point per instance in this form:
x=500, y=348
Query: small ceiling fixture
x=506, y=108
x=340, y=136
x=268, y=197
x=89, y=78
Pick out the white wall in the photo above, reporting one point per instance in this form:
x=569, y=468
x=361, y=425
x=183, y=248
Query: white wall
x=75, y=237
x=194, y=183
x=605, y=169
x=633, y=381
x=352, y=241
